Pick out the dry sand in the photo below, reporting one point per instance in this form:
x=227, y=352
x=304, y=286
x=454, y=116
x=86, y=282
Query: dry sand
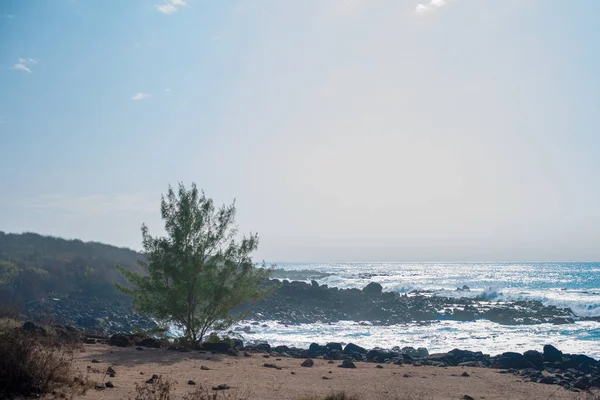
x=248, y=375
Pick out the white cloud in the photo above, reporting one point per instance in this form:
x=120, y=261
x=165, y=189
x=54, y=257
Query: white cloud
x=7, y=16
x=167, y=90
x=140, y=96
x=167, y=8
x=170, y=6
x=24, y=64
x=21, y=67
x=430, y=6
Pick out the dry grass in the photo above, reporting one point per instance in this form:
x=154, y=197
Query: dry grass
x=384, y=396
x=204, y=393
x=10, y=311
x=161, y=390
x=31, y=366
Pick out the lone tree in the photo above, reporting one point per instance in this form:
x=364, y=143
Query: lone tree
x=198, y=273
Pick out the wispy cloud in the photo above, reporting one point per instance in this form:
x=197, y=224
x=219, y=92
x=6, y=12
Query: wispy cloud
x=7, y=16
x=140, y=96
x=24, y=64
x=170, y=6
x=430, y=6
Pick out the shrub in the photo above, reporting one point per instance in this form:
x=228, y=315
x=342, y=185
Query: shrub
x=30, y=367
x=160, y=389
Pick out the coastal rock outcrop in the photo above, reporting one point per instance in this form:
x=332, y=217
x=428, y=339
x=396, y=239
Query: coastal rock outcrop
x=300, y=302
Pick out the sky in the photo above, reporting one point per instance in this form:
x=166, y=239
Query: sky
x=346, y=130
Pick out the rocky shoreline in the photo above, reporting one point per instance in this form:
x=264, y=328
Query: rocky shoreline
x=106, y=317
x=298, y=302
x=574, y=372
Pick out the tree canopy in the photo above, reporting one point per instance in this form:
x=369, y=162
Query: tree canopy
x=196, y=274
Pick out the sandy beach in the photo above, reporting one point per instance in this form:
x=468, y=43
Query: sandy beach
x=249, y=378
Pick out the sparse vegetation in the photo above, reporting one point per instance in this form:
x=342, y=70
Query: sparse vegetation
x=205, y=393
x=161, y=389
x=31, y=365
x=383, y=396
x=198, y=273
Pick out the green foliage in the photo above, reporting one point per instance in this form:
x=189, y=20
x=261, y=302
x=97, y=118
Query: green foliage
x=32, y=266
x=8, y=272
x=199, y=272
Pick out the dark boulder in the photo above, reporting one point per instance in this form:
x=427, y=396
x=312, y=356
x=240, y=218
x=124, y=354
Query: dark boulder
x=261, y=348
x=552, y=354
x=308, y=363
x=281, y=349
x=334, y=346
x=352, y=348
x=270, y=365
x=580, y=362
x=317, y=349
x=217, y=347
x=535, y=357
x=421, y=352
x=511, y=360
x=347, y=364
x=119, y=341
x=149, y=342
x=380, y=355
x=457, y=356
x=335, y=355
x=373, y=288
x=582, y=383
x=548, y=380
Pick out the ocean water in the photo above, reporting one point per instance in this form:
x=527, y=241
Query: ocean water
x=573, y=285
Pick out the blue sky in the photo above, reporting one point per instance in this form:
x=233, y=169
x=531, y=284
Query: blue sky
x=347, y=130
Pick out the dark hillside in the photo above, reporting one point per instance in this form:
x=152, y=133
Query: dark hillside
x=32, y=266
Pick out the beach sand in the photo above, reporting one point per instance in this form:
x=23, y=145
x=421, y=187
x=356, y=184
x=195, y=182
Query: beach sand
x=247, y=375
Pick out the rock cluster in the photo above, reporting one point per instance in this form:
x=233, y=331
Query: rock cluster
x=299, y=302
x=90, y=313
x=572, y=371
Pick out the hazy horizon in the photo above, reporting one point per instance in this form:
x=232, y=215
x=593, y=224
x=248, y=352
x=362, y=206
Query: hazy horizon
x=346, y=130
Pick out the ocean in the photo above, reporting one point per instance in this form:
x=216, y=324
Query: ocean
x=574, y=285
